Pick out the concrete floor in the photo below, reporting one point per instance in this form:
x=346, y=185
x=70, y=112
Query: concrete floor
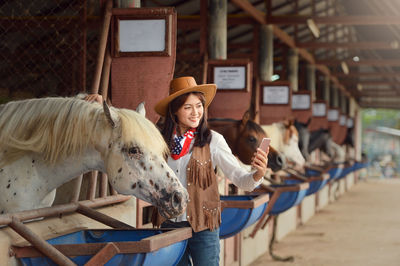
x=361, y=228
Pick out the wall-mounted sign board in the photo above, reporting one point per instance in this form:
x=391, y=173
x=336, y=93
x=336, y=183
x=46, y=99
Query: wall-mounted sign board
x=142, y=32
x=275, y=101
x=350, y=122
x=301, y=101
x=233, y=79
x=342, y=120
x=230, y=74
x=319, y=109
x=333, y=115
x=275, y=93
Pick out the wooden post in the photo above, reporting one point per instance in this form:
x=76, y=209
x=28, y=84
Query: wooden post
x=128, y=3
x=293, y=69
x=266, y=55
x=326, y=91
x=77, y=188
x=217, y=41
x=311, y=81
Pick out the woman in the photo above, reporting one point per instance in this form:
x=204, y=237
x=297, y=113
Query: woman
x=195, y=152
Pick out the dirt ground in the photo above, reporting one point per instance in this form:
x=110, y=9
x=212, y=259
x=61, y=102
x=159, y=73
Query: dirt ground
x=361, y=228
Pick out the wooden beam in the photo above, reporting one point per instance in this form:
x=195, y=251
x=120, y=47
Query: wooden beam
x=378, y=83
x=249, y=8
x=333, y=20
x=355, y=75
x=365, y=104
x=349, y=45
x=368, y=62
x=260, y=17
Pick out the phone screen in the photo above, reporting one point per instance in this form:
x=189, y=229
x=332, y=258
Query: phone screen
x=265, y=143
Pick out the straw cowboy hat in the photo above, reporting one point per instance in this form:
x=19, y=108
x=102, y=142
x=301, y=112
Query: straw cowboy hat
x=180, y=86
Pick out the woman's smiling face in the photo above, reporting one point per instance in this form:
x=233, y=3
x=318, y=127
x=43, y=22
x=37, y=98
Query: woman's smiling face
x=190, y=113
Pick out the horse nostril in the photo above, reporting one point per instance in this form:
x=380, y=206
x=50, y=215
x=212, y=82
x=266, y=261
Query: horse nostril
x=176, y=200
x=277, y=162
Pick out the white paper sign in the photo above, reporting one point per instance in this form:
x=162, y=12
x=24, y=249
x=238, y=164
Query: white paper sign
x=350, y=122
x=275, y=94
x=301, y=101
x=233, y=78
x=342, y=120
x=319, y=109
x=333, y=115
x=147, y=35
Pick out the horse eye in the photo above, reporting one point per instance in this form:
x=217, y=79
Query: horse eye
x=252, y=139
x=133, y=150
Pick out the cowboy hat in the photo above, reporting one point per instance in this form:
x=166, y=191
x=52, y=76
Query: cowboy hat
x=180, y=86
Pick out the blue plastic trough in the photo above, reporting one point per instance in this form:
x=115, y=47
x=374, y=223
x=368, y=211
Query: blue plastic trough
x=346, y=170
x=360, y=165
x=137, y=246
x=290, y=195
x=315, y=183
x=334, y=173
x=240, y=211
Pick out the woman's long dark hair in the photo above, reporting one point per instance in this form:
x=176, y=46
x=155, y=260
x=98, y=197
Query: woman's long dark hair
x=171, y=121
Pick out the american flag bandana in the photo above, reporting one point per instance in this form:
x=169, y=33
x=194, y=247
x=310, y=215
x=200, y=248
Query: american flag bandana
x=178, y=151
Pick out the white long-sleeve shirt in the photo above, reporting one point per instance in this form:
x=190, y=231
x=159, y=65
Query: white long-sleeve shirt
x=221, y=156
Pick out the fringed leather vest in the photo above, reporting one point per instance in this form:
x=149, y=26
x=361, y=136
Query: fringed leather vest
x=204, y=207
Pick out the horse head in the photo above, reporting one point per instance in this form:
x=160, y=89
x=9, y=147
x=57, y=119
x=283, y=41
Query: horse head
x=304, y=137
x=321, y=139
x=135, y=161
x=285, y=139
x=291, y=143
x=244, y=137
x=62, y=138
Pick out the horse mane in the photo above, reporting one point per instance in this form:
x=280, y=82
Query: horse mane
x=58, y=127
x=251, y=125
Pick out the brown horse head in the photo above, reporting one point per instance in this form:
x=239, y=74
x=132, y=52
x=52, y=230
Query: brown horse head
x=243, y=137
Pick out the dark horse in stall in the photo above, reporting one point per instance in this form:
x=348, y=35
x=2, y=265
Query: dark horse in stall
x=243, y=137
x=317, y=139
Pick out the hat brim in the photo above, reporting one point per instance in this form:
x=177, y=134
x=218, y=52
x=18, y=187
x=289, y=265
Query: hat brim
x=208, y=90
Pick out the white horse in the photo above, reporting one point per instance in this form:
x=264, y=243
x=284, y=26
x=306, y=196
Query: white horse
x=285, y=139
x=47, y=142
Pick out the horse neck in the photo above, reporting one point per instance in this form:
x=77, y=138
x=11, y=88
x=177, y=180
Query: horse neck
x=317, y=140
x=71, y=167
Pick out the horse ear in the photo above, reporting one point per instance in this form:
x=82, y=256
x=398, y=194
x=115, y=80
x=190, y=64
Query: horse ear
x=107, y=113
x=308, y=121
x=246, y=117
x=141, y=109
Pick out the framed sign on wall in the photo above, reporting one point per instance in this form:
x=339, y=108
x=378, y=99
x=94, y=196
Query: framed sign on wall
x=319, y=109
x=230, y=74
x=333, y=115
x=350, y=122
x=301, y=100
x=275, y=93
x=141, y=32
x=342, y=120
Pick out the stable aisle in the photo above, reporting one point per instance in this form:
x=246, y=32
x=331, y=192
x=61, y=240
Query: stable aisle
x=362, y=227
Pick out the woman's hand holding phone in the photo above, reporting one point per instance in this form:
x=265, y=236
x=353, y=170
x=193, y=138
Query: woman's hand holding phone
x=260, y=159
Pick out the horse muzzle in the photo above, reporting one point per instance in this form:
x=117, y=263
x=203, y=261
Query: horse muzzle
x=276, y=161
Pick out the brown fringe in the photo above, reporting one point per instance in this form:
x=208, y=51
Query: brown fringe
x=213, y=221
x=200, y=173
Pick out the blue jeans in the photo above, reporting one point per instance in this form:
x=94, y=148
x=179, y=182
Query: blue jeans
x=203, y=247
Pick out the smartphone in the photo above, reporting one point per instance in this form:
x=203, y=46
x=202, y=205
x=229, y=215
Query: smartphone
x=264, y=144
